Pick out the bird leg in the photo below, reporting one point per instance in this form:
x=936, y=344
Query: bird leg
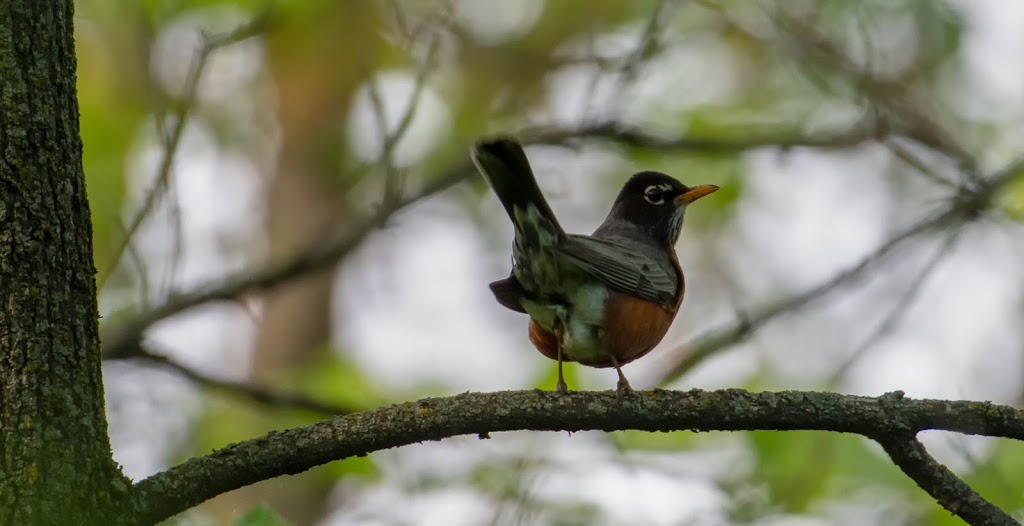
x=560, y=386
x=623, y=386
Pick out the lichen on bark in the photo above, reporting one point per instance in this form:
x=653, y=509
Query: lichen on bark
x=54, y=448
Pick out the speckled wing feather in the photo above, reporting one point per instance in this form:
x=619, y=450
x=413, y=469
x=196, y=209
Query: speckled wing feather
x=624, y=268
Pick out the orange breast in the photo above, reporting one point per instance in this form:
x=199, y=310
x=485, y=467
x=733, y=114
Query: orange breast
x=545, y=341
x=632, y=327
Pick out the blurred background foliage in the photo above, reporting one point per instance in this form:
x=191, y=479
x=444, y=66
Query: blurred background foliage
x=221, y=137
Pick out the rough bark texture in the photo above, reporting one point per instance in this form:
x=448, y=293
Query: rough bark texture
x=890, y=419
x=941, y=483
x=54, y=450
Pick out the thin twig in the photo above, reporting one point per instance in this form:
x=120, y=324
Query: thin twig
x=140, y=268
x=390, y=140
x=163, y=177
x=174, y=258
x=172, y=141
x=896, y=314
x=769, y=138
x=900, y=151
x=689, y=355
x=245, y=390
x=891, y=95
x=965, y=206
x=647, y=47
x=122, y=341
x=1004, y=177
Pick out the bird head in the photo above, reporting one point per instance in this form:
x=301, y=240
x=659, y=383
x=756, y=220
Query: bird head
x=656, y=203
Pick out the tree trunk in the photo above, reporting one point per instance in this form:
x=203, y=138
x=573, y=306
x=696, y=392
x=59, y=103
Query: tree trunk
x=55, y=461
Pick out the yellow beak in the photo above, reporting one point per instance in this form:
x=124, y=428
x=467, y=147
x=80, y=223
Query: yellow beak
x=694, y=194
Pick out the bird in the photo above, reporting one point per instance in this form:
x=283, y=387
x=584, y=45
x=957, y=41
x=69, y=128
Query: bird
x=601, y=300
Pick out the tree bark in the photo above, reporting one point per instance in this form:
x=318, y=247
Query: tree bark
x=892, y=420
x=55, y=460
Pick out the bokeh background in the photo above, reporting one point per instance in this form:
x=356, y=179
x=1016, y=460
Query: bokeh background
x=226, y=138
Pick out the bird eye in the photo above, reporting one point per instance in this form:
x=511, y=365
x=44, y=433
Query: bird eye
x=654, y=195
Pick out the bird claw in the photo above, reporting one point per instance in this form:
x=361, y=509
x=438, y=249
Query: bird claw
x=561, y=387
x=623, y=388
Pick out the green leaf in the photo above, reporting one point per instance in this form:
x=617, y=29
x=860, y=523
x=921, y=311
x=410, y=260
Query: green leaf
x=362, y=467
x=645, y=440
x=333, y=378
x=996, y=476
x=796, y=465
x=261, y=515
x=569, y=374
x=1011, y=199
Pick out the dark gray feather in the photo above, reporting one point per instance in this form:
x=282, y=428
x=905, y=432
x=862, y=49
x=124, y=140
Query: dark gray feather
x=634, y=269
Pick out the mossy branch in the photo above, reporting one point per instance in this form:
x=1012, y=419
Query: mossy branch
x=890, y=419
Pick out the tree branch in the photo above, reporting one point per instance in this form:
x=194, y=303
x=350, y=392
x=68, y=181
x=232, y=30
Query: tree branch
x=122, y=340
x=689, y=355
x=245, y=390
x=967, y=205
x=895, y=316
x=892, y=95
x=774, y=137
x=943, y=485
x=296, y=450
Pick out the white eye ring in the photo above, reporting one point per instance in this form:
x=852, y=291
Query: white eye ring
x=655, y=194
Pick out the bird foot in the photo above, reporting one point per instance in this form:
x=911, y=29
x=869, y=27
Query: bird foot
x=623, y=388
x=561, y=387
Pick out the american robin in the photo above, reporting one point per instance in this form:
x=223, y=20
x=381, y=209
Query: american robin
x=601, y=300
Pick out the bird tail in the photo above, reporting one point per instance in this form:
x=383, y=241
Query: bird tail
x=503, y=163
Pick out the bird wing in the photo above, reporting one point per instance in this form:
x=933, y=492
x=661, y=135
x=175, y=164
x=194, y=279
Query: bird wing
x=623, y=268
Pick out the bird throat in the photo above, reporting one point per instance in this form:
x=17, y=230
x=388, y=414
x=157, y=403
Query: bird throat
x=675, y=225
